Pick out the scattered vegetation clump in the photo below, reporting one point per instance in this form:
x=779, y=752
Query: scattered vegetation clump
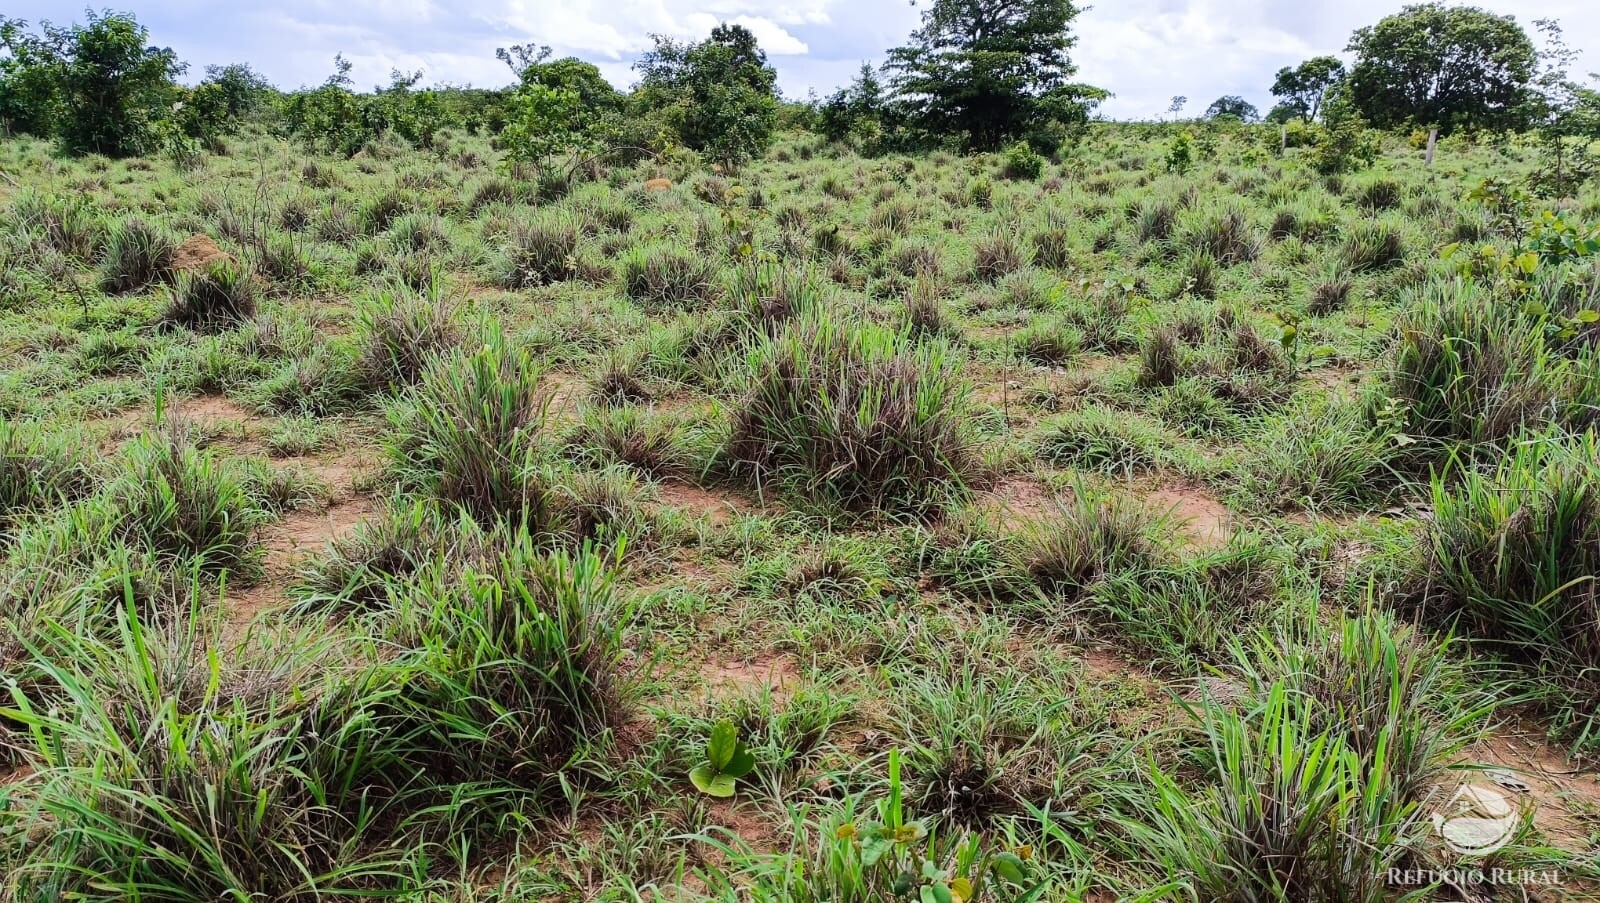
x=982, y=501
x=468, y=432
x=137, y=255
x=665, y=276
x=220, y=297
x=853, y=415
x=1512, y=553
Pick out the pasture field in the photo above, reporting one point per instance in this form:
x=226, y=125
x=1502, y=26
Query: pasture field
x=1152, y=526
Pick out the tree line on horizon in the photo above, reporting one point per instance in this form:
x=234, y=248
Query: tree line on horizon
x=976, y=75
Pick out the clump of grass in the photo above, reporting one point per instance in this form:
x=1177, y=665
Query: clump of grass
x=138, y=254
x=1314, y=786
x=510, y=673
x=1228, y=237
x=184, y=504
x=1188, y=613
x=666, y=276
x=1468, y=371
x=854, y=416
x=1370, y=247
x=1200, y=275
x=1052, y=248
x=381, y=210
x=538, y=252
x=1089, y=536
x=369, y=569
x=39, y=469
x=1155, y=221
x=221, y=297
x=764, y=297
x=1047, y=343
x=621, y=381
x=651, y=443
x=997, y=255
x=161, y=775
x=926, y=314
x=403, y=332
x=1512, y=558
x=1190, y=405
x=466, y=433
x=70, y=226
x=1329, y=295
x=1105, y=441
x=1318, y=455
x=1377, y=195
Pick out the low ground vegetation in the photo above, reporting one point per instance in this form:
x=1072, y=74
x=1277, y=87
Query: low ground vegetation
x=1000, y=527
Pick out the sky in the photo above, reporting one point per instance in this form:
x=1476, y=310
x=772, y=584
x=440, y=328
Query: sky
x=1143, y=51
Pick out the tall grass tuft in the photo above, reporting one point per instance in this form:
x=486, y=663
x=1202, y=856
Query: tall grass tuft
x=667, y=276
x=855, y=416
x=222, y=296
x=137, y=254
x=403, y=332
x=467, y=433
x=39, y=469
x=1466, y=370
x=1513, y=561
x=185, y=504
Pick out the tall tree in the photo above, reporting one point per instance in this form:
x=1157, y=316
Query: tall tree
x=719, y=94
x=1232, y=106
x=1443, y=67
x=1301, y=88
x=987, y=70
x=96, y=87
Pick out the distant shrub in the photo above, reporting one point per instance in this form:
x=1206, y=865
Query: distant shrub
x=1021, y=162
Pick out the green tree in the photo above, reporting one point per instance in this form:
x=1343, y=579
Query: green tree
x=241, y=89
x=30, y=80
x=1232, y=106
x=719, y=95
x=1300, y=89
x=989, y=71
x=96, y=87
x=533, y=66
x=114, y=86
x=852, y=111
x=1444, y=67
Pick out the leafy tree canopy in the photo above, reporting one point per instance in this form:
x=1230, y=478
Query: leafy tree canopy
x=1301, y=88
x=1440, y=66
x=719, y=95
x=989, y=70
x=1232, y=106
x=98, y=87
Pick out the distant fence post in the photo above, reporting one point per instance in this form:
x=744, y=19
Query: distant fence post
x=1283, y=140
x=1433, y=138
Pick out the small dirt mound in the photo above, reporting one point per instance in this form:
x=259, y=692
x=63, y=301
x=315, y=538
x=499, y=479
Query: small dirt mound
x=197, y=255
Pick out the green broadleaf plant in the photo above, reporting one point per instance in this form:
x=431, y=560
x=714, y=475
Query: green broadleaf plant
x=727, y=760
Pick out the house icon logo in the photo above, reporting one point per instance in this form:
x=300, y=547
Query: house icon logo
x=1477, y=820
